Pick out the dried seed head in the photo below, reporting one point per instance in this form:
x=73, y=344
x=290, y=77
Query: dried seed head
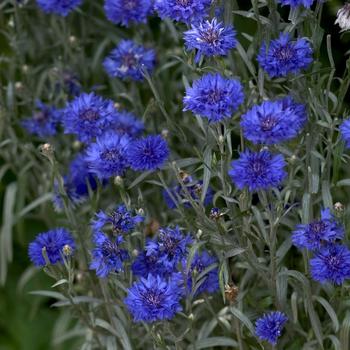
x=152, y=227
x=231, y=292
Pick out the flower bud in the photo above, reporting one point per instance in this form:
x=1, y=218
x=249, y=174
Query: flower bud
x=67, y=250
x=118, y=181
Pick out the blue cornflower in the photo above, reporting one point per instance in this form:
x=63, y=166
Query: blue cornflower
x=76, y=183
x=128, y=60
x=273, y=122
x=120, y=220
x=345, y=132
x=153, y=299
x=193, y=187
x=270, y=326
x=258, y=170
x=54, y=242
x=331, y=264
x=172, y=246
x=127, y=12
x=210, y=38
x=107, y=157
x=283, y=56
x=148, y=153
x=207, y=283
x=58, y=7
x=88, y=116
x=43, y=122
x=107, y=256
x=313, y=235
x=127, y=123
x=296, y=3
x=161, y=256
x=186, y=11
x=214, y=97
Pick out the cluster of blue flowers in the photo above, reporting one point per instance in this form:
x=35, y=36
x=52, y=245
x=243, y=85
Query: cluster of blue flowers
x=331, y=261
x=164, y=261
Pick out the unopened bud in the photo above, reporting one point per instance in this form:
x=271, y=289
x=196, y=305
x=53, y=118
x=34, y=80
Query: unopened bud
x=72, y=39
x=199, y=233
x=118, y=181
x=116, y=105
x=25, y=68
x=47, y=150
x=135, y=253
x=18, y=85
x=339, y=208
x=215, y=214
x=141, y=212
x=76, y=145
x=67, y=250
x=221, y=139
x=165, y=133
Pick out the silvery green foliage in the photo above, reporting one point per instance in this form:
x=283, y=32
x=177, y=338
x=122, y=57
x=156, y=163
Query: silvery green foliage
x=246, y=237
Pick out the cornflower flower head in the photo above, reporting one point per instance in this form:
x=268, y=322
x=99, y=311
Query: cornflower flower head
x=107, y=157
x=88, y=116
x=127, y=123
x=285, y=56
x=210, y=38
x=148, y=153
x=153, y=299
x=258, y=170
x=58, y=7
x=345, y=132
x=297, y=3
x=331, y=264
x=209, y=282
x=43, y=122
x=187, y=11
x=214, y=97
x=107, y=256
x=315, y=234
x=120, y=220
x=273, y=122
x=270, y=326
x=52, y=242
x=127, y=12
x=76, y=183
x=128, y=60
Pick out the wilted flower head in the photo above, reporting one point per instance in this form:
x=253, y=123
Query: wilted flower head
x=148, y=153
x=312, y=236
x=343, y=17
x=119, y=220
x=209, y=282
x=107, y=157
x=283, y=56
x=88, y=116
x=296, y=3
x=331, y=264
x=210, y=38
x=128, y=60
x=345, y=132
x=214, y=97
x=127, y=12
x=153, y=299
x=58, y=7
x=126, y=123
x=273, y=122
x=107, y=256
x=44, y=121
x=52, y=242
x=183, y=10
x=270, y=326
x=258, y=170
x=194, y=189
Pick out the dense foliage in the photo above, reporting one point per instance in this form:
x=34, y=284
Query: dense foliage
x=178, y=169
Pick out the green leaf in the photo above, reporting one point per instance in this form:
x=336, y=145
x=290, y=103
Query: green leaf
x=243, y=318
x=212, y=342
